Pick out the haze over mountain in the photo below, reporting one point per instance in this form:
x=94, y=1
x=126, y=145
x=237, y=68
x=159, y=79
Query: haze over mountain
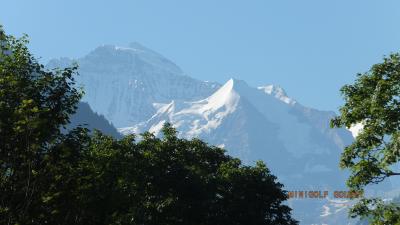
x=85, y=117
x=139, y=90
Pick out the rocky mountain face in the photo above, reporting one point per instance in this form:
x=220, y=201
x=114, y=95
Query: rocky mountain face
x=122, y=83
x=139, y=90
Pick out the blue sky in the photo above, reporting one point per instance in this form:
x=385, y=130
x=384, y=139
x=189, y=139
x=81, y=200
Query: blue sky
x=310, y=47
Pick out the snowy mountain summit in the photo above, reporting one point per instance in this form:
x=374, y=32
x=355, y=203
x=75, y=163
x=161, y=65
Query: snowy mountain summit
x=139, y=90
x=192, y=118
x=278, y=92
x=122, y=82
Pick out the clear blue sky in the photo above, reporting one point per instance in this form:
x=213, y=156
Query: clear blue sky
x=310, y=47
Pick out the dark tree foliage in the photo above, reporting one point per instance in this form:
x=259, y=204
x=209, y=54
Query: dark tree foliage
x=34, y=105
x=79, y=177
x=174, y=181
x=374, y=101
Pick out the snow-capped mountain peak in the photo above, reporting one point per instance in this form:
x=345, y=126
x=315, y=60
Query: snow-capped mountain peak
x=225, y=96
x=278, y=92
x=193, y=118
x=135, y=56
x=122, y=83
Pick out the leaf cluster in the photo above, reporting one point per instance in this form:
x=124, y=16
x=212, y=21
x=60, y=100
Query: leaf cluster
x=373, y=101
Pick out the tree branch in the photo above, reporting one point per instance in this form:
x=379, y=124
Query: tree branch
x=392, y=174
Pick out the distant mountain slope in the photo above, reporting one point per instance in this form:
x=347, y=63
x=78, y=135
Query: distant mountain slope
x=91, y=120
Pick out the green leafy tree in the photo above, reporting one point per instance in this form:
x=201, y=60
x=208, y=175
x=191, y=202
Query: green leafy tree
x=34, y=105
x=374, y=101
x=194, y=183
x=172, y=181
